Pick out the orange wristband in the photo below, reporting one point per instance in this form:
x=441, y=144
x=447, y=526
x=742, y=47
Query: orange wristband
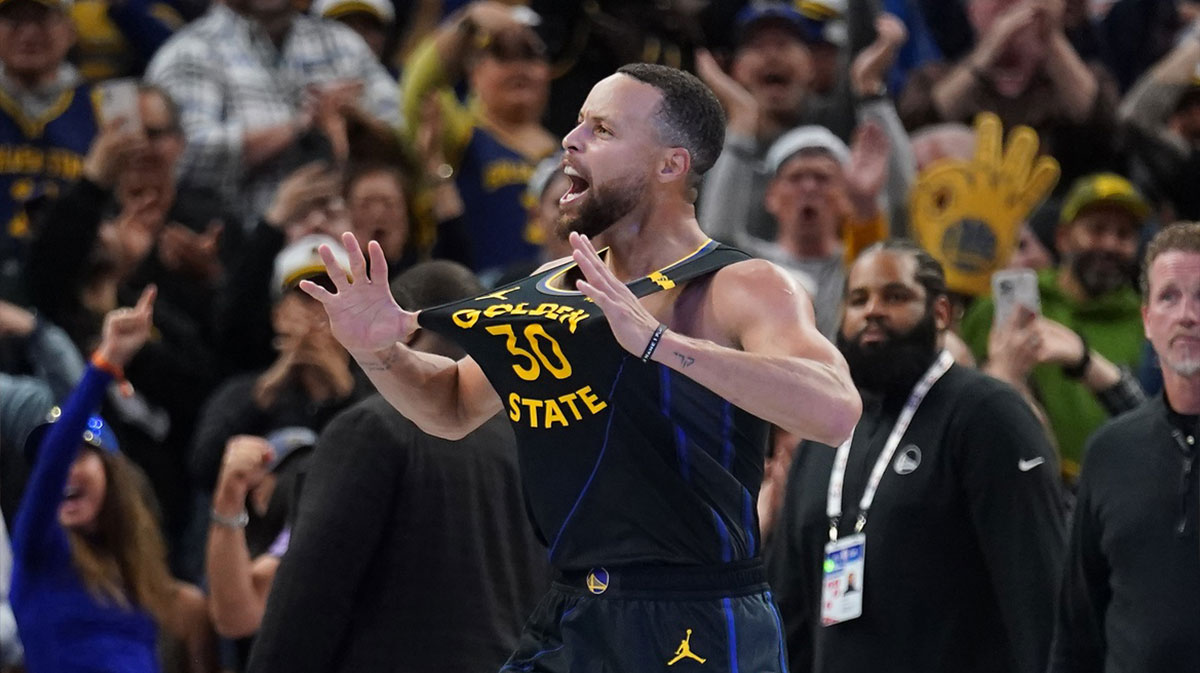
x=113, y=370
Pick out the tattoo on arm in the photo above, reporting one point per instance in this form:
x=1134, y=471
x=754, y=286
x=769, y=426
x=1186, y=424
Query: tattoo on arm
x=685, y=361
x=383, y=364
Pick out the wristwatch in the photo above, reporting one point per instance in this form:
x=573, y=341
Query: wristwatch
x=1079, y=369
x=239, y=521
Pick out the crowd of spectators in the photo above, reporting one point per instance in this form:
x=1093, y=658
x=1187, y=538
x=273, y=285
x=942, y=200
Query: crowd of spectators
x=1058, y=136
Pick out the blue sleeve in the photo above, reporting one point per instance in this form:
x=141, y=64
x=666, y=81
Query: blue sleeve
x=36, y=534
x=145, y=30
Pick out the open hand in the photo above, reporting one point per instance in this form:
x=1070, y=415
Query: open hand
x=740, y=105
x=872, y=64
x=364, y=316
x=630, y=322
x=311, y=184
x=968, y=214
x=1018, y=18
x=868, y=168
x=196, y=254
x=111, y=150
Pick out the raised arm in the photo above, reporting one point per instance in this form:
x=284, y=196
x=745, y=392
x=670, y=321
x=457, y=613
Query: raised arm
x=782, y=369
x=1147, y=106
x=443, y=397
x=238, y=592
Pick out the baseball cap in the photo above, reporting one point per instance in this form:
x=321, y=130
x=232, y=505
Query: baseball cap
x=822, y=10
x=61, y=5
x=806, y=138
x=334, y=9
x=301, y=260
x=97, y=433
x=287, y=441
x=1107, y=188
x=761, y=13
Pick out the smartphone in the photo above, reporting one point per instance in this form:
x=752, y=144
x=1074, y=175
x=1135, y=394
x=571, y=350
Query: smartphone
x=1012, y=288
x=119, y=100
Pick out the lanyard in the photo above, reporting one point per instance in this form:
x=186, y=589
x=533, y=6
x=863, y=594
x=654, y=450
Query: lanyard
x=833, y=503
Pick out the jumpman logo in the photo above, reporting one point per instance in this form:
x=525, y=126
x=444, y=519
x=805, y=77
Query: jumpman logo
x=685, y=651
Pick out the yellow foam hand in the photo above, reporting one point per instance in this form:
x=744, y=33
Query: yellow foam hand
x=968, y=214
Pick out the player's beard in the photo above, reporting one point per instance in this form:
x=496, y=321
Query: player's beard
x=894, y=366
x=1100, y=272
x=602, y=207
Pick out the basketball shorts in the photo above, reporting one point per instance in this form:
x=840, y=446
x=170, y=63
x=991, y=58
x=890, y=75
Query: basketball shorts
x=672, y=619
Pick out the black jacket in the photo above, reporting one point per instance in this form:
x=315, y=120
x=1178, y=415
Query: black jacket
x=962, y=553
x=410, y=553
x=1130, y=599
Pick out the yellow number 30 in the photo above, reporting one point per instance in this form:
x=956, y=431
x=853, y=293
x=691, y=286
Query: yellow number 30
x=537, y=359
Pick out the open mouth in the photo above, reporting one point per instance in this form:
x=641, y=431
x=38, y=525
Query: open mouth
x=577, y=188
x=775, y=79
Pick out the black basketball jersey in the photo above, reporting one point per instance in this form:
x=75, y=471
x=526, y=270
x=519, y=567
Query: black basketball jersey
x=623, y=462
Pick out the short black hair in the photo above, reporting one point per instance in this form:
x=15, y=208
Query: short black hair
x=1180, y=236
x=929, y=272
x=433, y=284
x=690, y=116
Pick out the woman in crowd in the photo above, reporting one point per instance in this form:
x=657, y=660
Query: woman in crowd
x=90, y=586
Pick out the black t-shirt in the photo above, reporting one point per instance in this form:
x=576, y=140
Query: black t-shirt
x=964, y=540
x=624, y=462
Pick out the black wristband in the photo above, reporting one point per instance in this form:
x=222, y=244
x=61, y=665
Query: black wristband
x=654, y=338
x=1077, y=370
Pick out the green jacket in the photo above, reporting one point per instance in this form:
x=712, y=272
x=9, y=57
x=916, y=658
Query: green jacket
x=1112, y=326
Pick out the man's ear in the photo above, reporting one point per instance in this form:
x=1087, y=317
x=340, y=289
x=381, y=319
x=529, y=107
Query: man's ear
x=771, y=199
x=941, y=313
x=675, y=165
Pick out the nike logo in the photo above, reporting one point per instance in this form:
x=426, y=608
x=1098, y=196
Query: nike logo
x=1027, y=465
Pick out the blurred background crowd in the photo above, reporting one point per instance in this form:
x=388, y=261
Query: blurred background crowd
x=208, y=149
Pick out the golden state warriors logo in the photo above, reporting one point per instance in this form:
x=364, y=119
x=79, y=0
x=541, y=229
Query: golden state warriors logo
x=597, y=581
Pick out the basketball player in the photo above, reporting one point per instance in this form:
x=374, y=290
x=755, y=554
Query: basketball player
x=640, y=381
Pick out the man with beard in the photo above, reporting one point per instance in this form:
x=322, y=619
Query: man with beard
x=1091, y=293
x=956, y=563
x=1132, y=578
x=640, y=385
